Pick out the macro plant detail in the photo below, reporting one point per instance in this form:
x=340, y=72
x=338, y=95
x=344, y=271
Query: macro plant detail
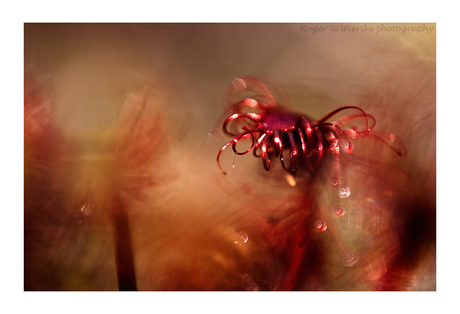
x=300, y=143
x=297, y=140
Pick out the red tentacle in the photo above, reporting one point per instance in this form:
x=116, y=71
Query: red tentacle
x=233, y=142
x=278, y=142
x=324, y=119
x=239, y=137
x=264, y=153
x=237, y=116
x=303, y=124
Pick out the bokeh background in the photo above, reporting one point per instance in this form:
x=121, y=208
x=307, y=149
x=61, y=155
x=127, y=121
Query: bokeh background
x=127, y=109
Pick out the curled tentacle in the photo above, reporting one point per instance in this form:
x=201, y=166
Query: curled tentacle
x=264, y=153
x=333, y=113
x=300, y=143
x=340, y=134
x=347, y=119
x=238, y=116
x=259, y=142
x=320, y=149
x=278, y=143
x=281, y=130
x=247, y=131
x=293, y=154
x=334, y=147
x=388, y=139
x=235, y=141
x=304, y=126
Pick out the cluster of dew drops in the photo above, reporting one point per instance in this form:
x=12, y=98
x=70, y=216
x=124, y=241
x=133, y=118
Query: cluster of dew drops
x=344, y=192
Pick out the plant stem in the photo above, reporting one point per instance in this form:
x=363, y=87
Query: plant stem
x=123, y=249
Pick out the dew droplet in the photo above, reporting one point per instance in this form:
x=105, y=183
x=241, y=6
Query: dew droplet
x=85, y=209
x=239, y=84
x=320, y=225
x=239, y=236
x=350, y=259
x=344, y=192
x=339, y=212
x=348, y=147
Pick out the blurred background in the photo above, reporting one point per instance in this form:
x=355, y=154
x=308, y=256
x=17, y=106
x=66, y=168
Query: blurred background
x=121, y=120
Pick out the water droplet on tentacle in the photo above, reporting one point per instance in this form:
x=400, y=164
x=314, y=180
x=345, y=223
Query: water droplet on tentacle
x=239, y=236
x=348, y=147
x=85, y=209
x=344, y=192
x=339, y=212
x=349, y=259
x=320, y=225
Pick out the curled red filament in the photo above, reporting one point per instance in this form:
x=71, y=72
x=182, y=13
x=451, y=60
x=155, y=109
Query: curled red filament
x=293, y=138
